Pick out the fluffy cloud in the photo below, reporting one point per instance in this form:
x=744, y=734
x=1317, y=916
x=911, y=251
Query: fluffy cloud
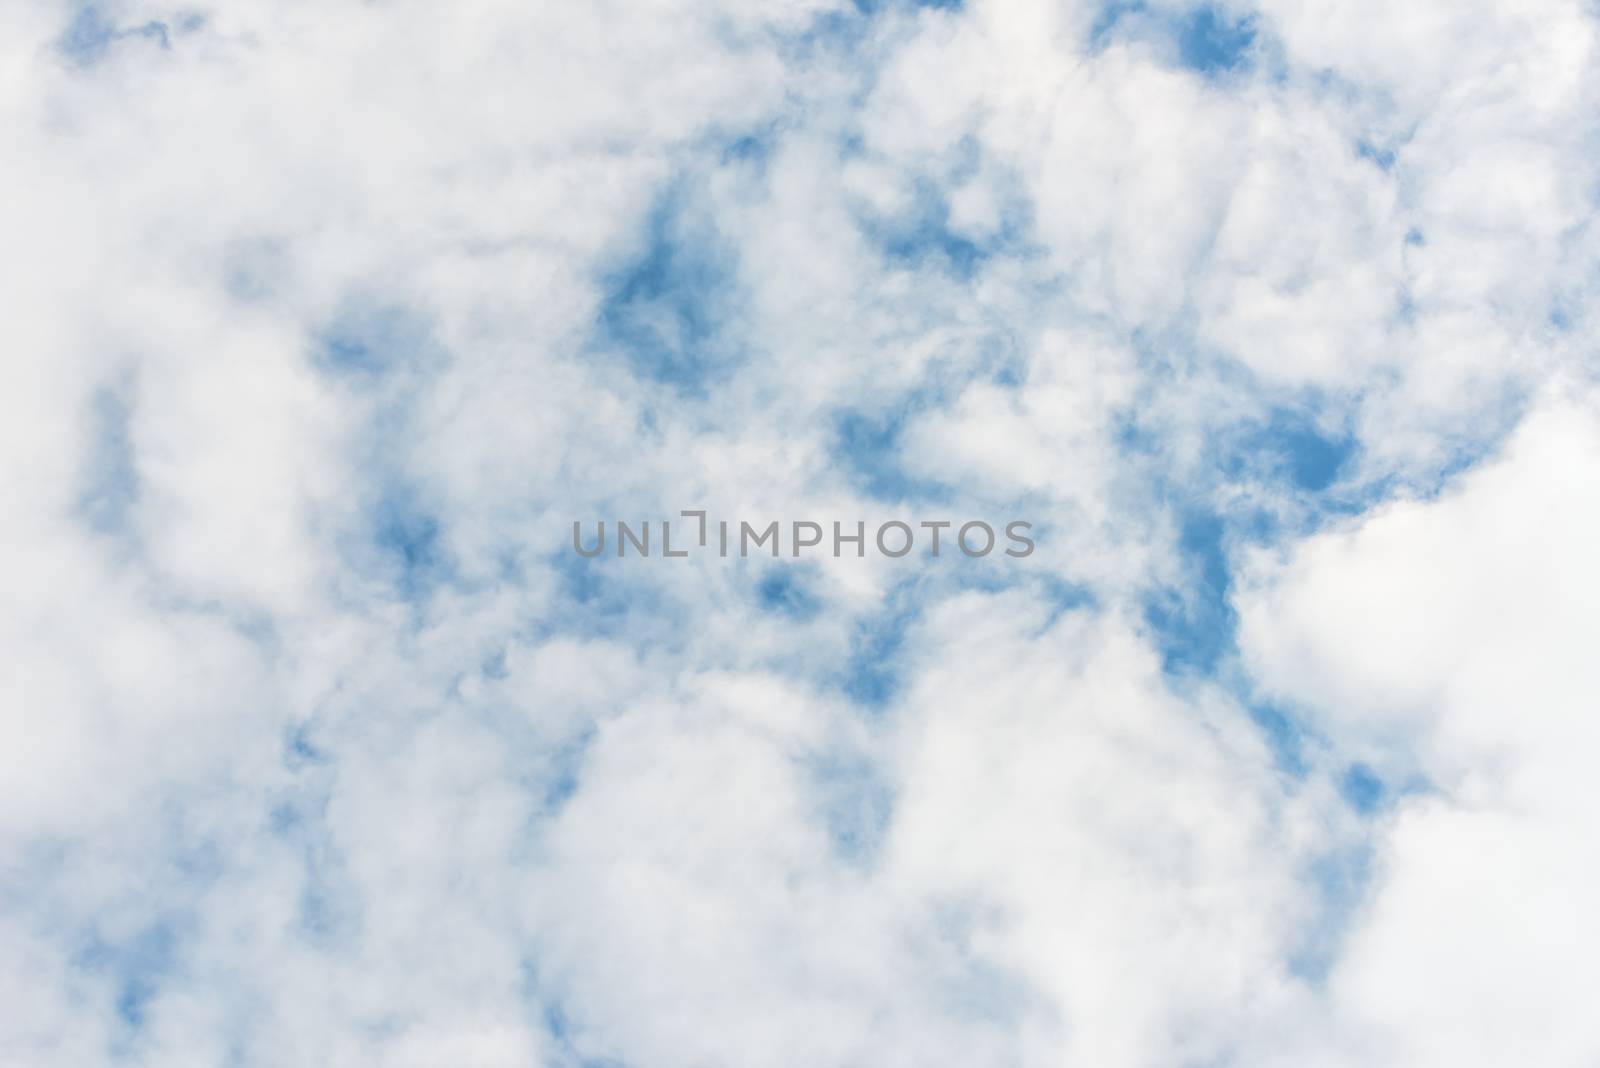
x=326, y=321
x=1447, y=638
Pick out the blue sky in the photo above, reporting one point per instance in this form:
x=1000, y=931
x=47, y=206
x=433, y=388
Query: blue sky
x=322, y=746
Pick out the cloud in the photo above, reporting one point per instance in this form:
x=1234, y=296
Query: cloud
x=1444, y=638
x=326, y=321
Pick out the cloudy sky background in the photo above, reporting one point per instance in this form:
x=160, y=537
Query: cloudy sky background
x=324, y=320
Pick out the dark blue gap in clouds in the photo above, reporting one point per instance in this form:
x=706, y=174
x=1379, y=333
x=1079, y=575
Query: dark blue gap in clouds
x=1296, y=448
x=1194, y=624
x=1362, y=788
x=1204, y=38
x=1211, y=43
x=785, y=590
x=668, y=308
x=1288, y=450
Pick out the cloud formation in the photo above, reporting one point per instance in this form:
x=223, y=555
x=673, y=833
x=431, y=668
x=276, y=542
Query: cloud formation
x=325, y=322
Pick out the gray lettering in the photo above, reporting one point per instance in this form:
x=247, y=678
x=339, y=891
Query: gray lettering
x=910, y=537
x=961, y=537
x=745, y=530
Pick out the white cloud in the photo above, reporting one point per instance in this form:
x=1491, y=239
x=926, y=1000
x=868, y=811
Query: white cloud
x=1450, y=638
x=326, y=320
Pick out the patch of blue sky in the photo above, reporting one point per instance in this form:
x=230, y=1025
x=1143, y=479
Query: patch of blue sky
x=1292, y=447
x=751, y=146
x=670, y=310
x=1277, y=473
x=866, y=447
x=409, y=537
x=1194, y=624
x=992, y=352
x=922, y=237
x=1496, y=419
x=88, y=35
x=1342, y=877
x=1062, y=595
x=597, y=597
x=635, y=600
x=1362, y=788
x=871, y=676
x=1284, y=737
x=1203, y=38
x=91, y=34
x=1298, y=448
x=1211, y=42
x=786, y=589
x=833, y=32
x=300, y=750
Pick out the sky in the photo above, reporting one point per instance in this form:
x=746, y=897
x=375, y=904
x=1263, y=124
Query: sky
x=323, y=322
